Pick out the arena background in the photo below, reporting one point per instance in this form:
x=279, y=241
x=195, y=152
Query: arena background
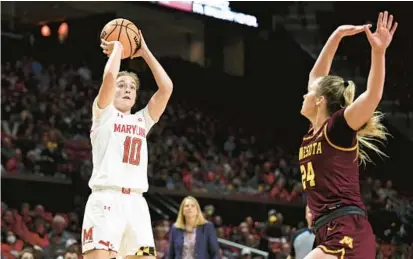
x=230, y=134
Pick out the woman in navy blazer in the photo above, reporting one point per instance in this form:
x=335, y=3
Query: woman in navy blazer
x=192, y=237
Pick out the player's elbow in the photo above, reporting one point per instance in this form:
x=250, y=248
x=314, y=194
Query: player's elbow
x=165, y=91
x=168, y=87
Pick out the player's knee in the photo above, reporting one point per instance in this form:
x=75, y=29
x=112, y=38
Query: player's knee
x=98, y=254
x=140, y=257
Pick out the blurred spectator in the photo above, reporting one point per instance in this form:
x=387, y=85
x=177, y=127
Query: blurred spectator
x=161, y=241
x=58, y=237
x=11, y=248
x=71, y=254
x=27, y=253
x=246, y=253
x=303, y=240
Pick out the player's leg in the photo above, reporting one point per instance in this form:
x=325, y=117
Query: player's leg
x=103, y=226
x=140, y=241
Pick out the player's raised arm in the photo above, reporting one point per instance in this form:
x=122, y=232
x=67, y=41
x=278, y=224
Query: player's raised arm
x=323, y=64
x=106, y=94
x=362, y=109
x=160, y=99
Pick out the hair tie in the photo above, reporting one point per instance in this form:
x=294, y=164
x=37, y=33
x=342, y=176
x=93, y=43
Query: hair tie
x=346, y=83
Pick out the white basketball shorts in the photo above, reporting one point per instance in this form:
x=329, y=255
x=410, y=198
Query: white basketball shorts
x=117, y=222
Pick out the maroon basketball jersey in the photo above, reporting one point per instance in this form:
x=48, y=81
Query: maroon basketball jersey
x=329, y=166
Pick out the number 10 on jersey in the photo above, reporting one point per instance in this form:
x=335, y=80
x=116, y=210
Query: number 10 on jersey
x=132, y=150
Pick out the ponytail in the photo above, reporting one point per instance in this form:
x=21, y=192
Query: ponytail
x=373, y=131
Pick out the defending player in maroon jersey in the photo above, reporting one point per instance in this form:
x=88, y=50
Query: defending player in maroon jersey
x=332, y=153
x=332, y=150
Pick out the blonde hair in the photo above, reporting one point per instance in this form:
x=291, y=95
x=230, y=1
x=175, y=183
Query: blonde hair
x=339, y=94
x=131, y=74
x=180, y=221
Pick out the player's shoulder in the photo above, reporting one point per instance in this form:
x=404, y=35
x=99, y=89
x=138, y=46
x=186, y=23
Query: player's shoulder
x=98, y=113
x=140, y=115
x=140, y=112
x=338, y=115
x=339, y=133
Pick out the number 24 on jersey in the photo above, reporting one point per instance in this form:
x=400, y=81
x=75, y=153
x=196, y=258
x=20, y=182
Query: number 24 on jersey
x=307, y=175
x=132, y=150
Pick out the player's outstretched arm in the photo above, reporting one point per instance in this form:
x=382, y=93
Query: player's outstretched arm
x=114, y=51
x=361, y=110
x=323, y=64
x=160, y=99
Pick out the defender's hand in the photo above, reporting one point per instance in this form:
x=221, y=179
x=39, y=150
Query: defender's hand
x=350, y=30
x=382, y=37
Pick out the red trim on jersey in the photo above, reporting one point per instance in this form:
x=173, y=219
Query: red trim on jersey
x=126, y=190
x=105, y=243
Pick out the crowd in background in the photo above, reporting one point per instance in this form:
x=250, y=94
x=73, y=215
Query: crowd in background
x=46, y=123
x=57, y=235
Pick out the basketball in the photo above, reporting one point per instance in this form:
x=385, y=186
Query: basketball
x=124, y=31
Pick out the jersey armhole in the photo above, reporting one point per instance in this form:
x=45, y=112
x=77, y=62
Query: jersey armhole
x=337, y=127
x=149, y=122
x=337, y=146
x=97, y=112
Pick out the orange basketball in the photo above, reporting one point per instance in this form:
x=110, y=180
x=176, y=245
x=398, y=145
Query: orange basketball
x=124, y=31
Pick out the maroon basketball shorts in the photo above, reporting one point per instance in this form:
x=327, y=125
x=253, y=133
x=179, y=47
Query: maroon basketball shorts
x=348, y=236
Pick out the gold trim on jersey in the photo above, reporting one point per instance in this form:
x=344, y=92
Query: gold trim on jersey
x=341, y=251
x=309, y=137
x=320, y=134
x=338, y=147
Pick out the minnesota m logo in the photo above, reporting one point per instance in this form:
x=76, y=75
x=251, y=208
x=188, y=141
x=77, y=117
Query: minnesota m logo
x=87, y=235
x=348, y=241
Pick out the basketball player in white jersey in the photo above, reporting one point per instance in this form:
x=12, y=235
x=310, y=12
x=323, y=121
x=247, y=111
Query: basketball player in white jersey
x=117, y=222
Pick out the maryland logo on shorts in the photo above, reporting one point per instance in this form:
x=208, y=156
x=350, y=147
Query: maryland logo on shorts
x=146, y=251
x=87, y=236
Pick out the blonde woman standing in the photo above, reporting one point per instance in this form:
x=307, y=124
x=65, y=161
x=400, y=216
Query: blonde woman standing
x=192, y=236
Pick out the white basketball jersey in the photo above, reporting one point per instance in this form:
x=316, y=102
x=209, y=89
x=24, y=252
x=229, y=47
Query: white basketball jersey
x=119, y=148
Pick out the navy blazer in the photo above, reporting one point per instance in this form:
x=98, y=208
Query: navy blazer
x=206, y=243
